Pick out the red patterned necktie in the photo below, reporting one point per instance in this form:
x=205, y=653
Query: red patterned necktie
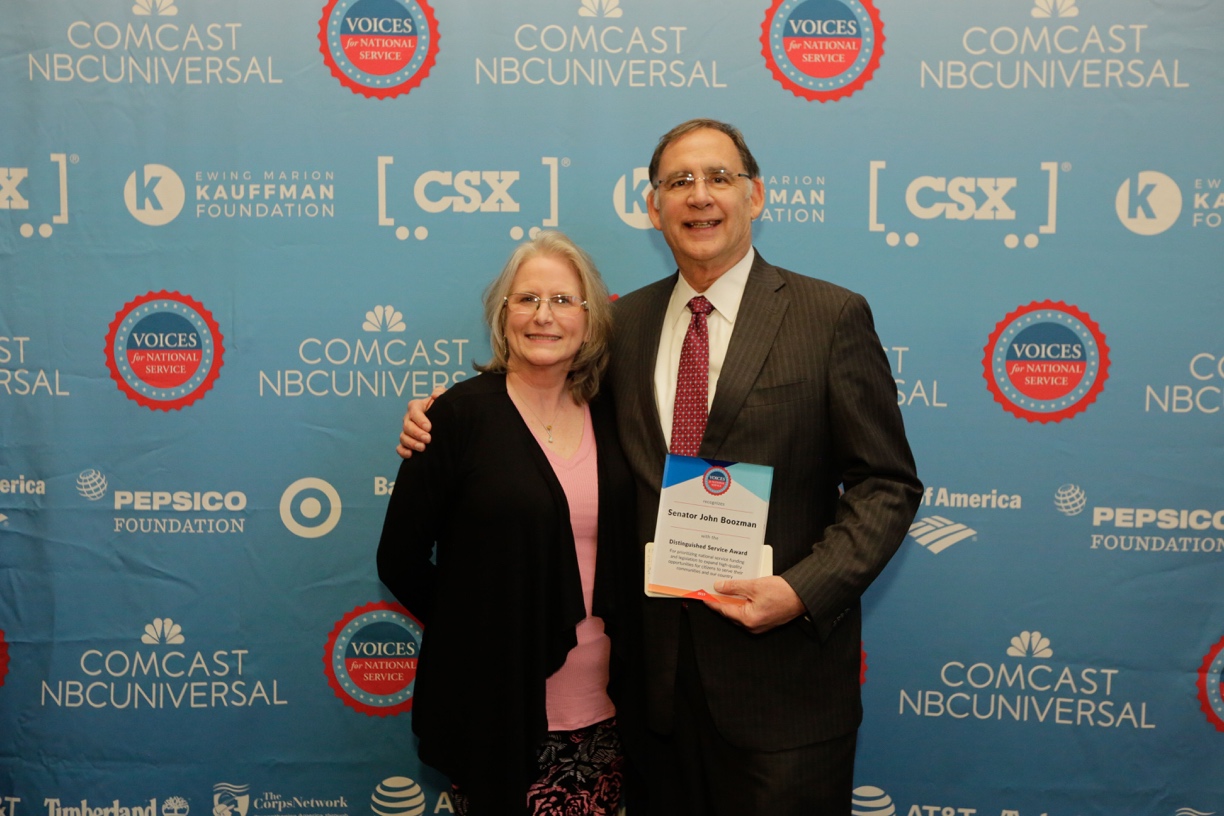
x=693, y=382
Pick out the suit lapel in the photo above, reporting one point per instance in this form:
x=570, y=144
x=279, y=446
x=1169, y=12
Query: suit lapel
x=760, y=316
x=643, y=370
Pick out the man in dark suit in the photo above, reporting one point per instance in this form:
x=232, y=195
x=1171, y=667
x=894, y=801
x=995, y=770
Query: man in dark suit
x=754, y=708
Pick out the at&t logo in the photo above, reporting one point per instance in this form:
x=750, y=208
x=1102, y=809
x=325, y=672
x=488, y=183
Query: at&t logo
x=154, y=195
x=310, y=508
x=398, y=796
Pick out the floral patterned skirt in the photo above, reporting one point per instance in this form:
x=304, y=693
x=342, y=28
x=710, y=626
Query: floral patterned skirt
x=581, y=774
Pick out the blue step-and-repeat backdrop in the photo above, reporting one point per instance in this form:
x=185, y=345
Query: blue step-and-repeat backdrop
x=236, y=238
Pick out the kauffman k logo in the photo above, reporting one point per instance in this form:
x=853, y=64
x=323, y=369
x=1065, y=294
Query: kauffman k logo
x=1149, y=203
x=154, y=195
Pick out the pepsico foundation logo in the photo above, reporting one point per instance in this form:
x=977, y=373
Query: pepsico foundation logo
x=1211, y=684
x=822, y=50
x=379, y=48
x=371, y=658
x=1046, y=362
x=164, y=349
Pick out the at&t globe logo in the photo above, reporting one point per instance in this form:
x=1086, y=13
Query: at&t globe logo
x=310, y=508
x=398, y=796
x=872, y=801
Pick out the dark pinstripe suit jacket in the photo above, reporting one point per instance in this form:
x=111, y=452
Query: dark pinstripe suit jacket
x=806, y=388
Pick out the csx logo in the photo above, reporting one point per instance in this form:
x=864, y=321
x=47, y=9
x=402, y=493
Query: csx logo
x=960, y=198
x=466, y=191
x=11, y=197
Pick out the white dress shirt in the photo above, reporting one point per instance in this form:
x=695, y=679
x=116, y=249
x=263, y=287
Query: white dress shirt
x=725, y=294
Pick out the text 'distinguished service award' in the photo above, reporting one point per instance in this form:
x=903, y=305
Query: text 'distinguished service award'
x=711, y=527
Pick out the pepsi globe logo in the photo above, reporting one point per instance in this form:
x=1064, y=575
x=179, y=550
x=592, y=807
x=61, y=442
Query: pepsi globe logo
x=716, y=481
x=379, y=48
x=822, y=50
x=1046, y=362
x=164, y=350
x=371, y=658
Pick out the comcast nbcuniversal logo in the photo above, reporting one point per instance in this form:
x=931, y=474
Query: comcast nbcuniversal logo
x=310, y=508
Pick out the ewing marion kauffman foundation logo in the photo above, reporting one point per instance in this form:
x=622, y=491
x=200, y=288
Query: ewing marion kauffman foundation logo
x=164, y=349
x=822, y=50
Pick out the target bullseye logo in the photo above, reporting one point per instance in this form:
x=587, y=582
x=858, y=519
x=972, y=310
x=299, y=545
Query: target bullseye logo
x=310, y=508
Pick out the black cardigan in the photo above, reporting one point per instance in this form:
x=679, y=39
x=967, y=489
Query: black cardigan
x=500, y=606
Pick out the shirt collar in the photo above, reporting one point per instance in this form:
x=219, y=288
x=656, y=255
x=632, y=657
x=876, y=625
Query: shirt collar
x=725, y=293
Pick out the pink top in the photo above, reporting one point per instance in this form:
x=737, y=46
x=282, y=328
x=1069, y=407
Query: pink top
x=577, y=694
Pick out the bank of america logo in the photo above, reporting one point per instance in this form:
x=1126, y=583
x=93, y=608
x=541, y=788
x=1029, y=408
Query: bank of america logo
x=937, y=533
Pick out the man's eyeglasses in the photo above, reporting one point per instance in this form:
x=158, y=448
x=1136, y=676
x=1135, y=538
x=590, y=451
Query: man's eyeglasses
x=527, y=303
x=716, y=180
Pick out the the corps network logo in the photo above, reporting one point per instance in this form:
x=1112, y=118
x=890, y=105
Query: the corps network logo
x=1057, y=49
x=1028, y=689
x=235, y=800
x=1211, y=683
x=164, y=350
x=157, y=675
x=15, y=194
x=231, y=800
x=25, y=381
x=379, y=48
x=868, y=800
x=383, y=361
x=566, y=52
x=153, y=49
x=822, y=50
x=310, y=508
x=371, y=658
x=1046, y=362
x=956, y=202
x=460, y=194
x=155, y=194
x=402, y=796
